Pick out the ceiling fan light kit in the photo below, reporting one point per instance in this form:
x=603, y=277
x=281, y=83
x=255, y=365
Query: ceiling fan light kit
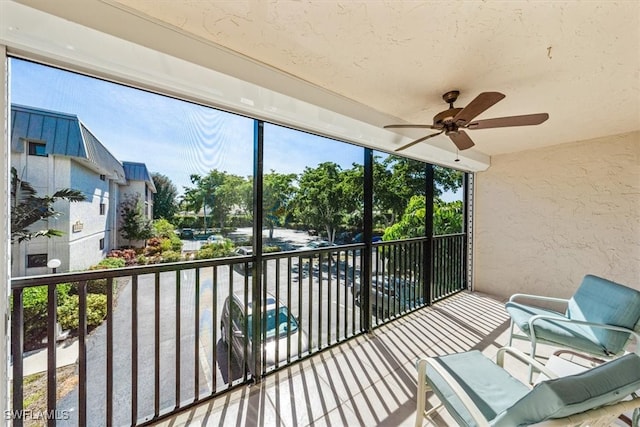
x=451, y=122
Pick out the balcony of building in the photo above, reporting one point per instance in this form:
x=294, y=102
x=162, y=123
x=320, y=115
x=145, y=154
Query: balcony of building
x=547, y=207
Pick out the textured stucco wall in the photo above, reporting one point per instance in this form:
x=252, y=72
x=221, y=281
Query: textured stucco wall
x=544, y=218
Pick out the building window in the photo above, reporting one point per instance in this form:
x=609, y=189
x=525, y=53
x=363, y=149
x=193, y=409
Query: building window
x=37, y=260
x=37, y=149
x=102, y=208
x=103, y=177
x=102, y=243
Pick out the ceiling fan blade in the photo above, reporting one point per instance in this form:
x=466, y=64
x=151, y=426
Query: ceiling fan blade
x=412, y=143
x=409, y=127
x=461, y=140
x=500, y=122
x=481, y=103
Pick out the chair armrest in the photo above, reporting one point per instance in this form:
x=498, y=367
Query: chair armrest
x=537, y=317
x=465, y=399
x=537, y=298
x=523, y=358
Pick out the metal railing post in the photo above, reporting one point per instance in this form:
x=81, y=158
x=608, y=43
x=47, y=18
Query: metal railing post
x=256, y=282
x=367, y=234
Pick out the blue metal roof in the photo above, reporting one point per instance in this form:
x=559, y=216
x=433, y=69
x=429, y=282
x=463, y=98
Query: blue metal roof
x=135, y=171
x=65, y=135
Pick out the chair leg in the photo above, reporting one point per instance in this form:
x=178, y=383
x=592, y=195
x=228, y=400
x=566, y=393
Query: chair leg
x=421, y=398
x=511, y=334
x=533, y=356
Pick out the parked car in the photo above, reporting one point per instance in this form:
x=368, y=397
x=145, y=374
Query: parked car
x=186, y=234
x=390, y=296
x=281, y=325
x=317, y=244
x=216, y=238
x=375, y=238
x=244, y=251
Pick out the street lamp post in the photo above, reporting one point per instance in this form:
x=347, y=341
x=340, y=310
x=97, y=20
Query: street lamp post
x=53, y=264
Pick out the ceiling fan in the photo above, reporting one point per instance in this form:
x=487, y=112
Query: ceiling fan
x=451, y=122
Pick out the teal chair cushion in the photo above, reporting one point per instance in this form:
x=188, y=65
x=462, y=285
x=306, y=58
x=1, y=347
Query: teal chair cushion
x=563, y=334
x=603, y=385
x=600, y=300
x=490, y=387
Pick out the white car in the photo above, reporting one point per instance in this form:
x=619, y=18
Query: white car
x=281, y=327
x=216, y=238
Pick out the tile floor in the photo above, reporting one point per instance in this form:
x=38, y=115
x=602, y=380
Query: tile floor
x=369, y=380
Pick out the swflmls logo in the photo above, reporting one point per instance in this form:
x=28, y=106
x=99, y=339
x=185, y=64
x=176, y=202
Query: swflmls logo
x=27, y=414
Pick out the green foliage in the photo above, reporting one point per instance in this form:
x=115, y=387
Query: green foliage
x=27, y=208
x=162, y=228
x=216, y=194
x=171, y=256
x=96, y=311
x=164, y=201
x=448, y=218
x=215, y=250
x=412, y=222
x=128, y=255
x=133, y=223
x=270, y=249
x=112, y=262
x=320, y=200
x=278, y=193
x=34, y=300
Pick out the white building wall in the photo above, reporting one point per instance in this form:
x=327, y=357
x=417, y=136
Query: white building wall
x=544, y=218
x=87, y=226
x=81, y=223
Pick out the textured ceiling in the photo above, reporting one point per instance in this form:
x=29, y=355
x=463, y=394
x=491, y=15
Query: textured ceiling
x=577, y=61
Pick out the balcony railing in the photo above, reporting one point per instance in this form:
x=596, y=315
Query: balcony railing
x=171, y=338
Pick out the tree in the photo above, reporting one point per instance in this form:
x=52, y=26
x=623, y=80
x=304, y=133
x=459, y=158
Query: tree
x=320, y=200
x=164, y=201
x=202, y=195
x=447, y=217
x=277, y=195
x=226, y=196
x=27, y=208
x=219, y=192
x=133, y=223
x=404, y=178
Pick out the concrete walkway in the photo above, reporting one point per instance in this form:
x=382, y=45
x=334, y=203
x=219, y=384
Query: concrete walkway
x=36, y=361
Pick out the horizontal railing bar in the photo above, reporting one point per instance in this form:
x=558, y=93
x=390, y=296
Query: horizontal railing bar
x=50, y=279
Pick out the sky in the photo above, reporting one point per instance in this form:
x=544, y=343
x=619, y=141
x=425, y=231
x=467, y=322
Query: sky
x=172, y=137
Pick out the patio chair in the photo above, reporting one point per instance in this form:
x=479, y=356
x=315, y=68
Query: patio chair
x=600, y=319
x=478, y=392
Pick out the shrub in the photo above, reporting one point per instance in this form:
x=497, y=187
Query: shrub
x=34, y=302
x=153, y=246
x=215, y=250
x=270, y=249
x=142, y=260
x=68, y=313
x=112, y=263
x=171, y=256
x=162, y=228
x=129, y=255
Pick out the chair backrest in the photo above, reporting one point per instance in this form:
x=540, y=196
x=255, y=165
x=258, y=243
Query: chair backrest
x=600, y=300
x=565, y=396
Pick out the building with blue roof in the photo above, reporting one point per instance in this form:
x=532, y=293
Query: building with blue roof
x=53, y=150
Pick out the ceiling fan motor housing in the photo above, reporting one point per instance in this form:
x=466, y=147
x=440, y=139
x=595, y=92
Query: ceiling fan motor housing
x=444, y=118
